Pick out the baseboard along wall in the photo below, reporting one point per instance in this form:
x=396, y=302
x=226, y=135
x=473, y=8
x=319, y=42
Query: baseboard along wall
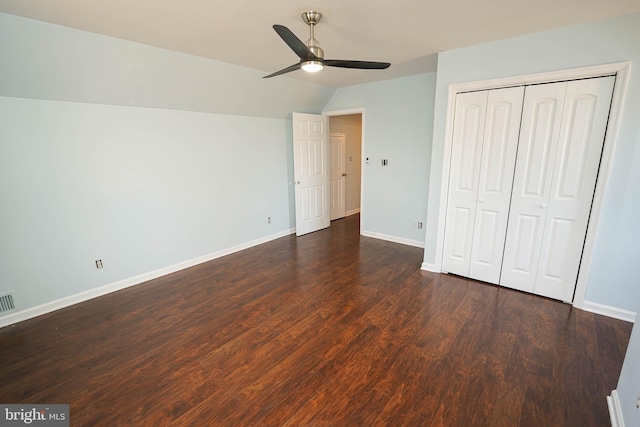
x=615, y=410
x=593, y=307
x=70, y=300
x=409, y=242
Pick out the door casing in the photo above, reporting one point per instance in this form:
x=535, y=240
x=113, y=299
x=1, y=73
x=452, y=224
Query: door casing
x=348, y=112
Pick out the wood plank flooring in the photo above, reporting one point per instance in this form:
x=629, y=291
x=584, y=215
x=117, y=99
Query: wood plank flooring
x=327, y=329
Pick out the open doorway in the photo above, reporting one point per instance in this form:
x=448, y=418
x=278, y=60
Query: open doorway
x=311, y=155
x=348, y=128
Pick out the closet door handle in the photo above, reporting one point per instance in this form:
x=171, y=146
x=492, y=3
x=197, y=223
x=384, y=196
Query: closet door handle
x=543, y=206
x=480, y=200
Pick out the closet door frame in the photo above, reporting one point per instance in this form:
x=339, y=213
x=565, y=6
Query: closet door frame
x=621, y=71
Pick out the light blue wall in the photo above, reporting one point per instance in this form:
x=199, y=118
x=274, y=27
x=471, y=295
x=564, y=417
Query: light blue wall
x=139, y=156
x=139, y=188
x=398, y=124
x=614, y=279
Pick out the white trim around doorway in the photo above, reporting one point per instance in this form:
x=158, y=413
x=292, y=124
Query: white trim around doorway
x=362, y=150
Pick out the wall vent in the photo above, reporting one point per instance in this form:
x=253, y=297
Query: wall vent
x=6, y=303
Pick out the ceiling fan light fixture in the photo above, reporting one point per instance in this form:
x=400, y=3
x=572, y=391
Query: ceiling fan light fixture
x=312, y=66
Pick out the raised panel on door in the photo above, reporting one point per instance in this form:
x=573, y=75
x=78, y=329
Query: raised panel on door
x=318, y=203
x=584, y=123
x=468, y=131
x=310, y=151
x=538, y=142
x=500, y=143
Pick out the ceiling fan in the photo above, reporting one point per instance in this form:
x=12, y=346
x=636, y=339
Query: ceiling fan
x=311, y=56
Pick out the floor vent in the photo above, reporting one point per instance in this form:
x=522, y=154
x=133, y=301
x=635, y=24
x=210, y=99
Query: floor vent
x=6, y=303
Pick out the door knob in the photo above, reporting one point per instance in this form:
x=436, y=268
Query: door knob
x=543, y=206
x=480, y=200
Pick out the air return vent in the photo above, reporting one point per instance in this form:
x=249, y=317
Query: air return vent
x=6, y=303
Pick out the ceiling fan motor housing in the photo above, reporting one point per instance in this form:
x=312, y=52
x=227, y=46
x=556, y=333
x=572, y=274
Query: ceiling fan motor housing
x=319, y=53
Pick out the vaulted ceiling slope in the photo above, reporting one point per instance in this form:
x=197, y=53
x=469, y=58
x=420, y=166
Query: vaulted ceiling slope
x=56, y=63
x=407, y=33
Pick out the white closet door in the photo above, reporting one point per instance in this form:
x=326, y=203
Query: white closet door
x=468, y=131
x=558, y=158
x=584, y=122
x=539, y=134
x=499, y=147
x=485, y=140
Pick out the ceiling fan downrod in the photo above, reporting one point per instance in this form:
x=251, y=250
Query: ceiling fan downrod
x=311, y=18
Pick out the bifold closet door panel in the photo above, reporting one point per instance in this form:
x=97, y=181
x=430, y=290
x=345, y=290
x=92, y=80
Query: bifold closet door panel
x=466, y=150
x=499, y=147
x=582, y=133
x=485, y=139
x=539, y=134
x=562, y=135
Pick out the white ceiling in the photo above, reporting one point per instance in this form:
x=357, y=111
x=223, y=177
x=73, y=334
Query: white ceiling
x=407, y=33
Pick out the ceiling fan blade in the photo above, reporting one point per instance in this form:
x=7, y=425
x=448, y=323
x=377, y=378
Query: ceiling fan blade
x=284, y=70
x=365, y=65
x=294, y=43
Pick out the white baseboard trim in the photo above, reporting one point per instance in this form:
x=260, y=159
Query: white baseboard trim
x=605, y=310
x=409, y=242
x=615, y=411
x=593, y=307
x=353, y=212
x=430, y=267
x=70, y=300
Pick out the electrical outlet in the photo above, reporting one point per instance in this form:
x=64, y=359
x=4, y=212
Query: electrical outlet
x=385, y=162
x=268, y=220
x=419, y=225
x=638, y=401
x=98, y=263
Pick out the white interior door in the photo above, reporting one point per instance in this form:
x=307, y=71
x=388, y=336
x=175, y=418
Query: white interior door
x=468, y=132
x=338, y=176
x=499, y=147
x=311, y=172
x=563, y=129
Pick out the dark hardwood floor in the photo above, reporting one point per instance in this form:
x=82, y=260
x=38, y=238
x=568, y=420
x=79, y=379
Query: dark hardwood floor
x=326, y=329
